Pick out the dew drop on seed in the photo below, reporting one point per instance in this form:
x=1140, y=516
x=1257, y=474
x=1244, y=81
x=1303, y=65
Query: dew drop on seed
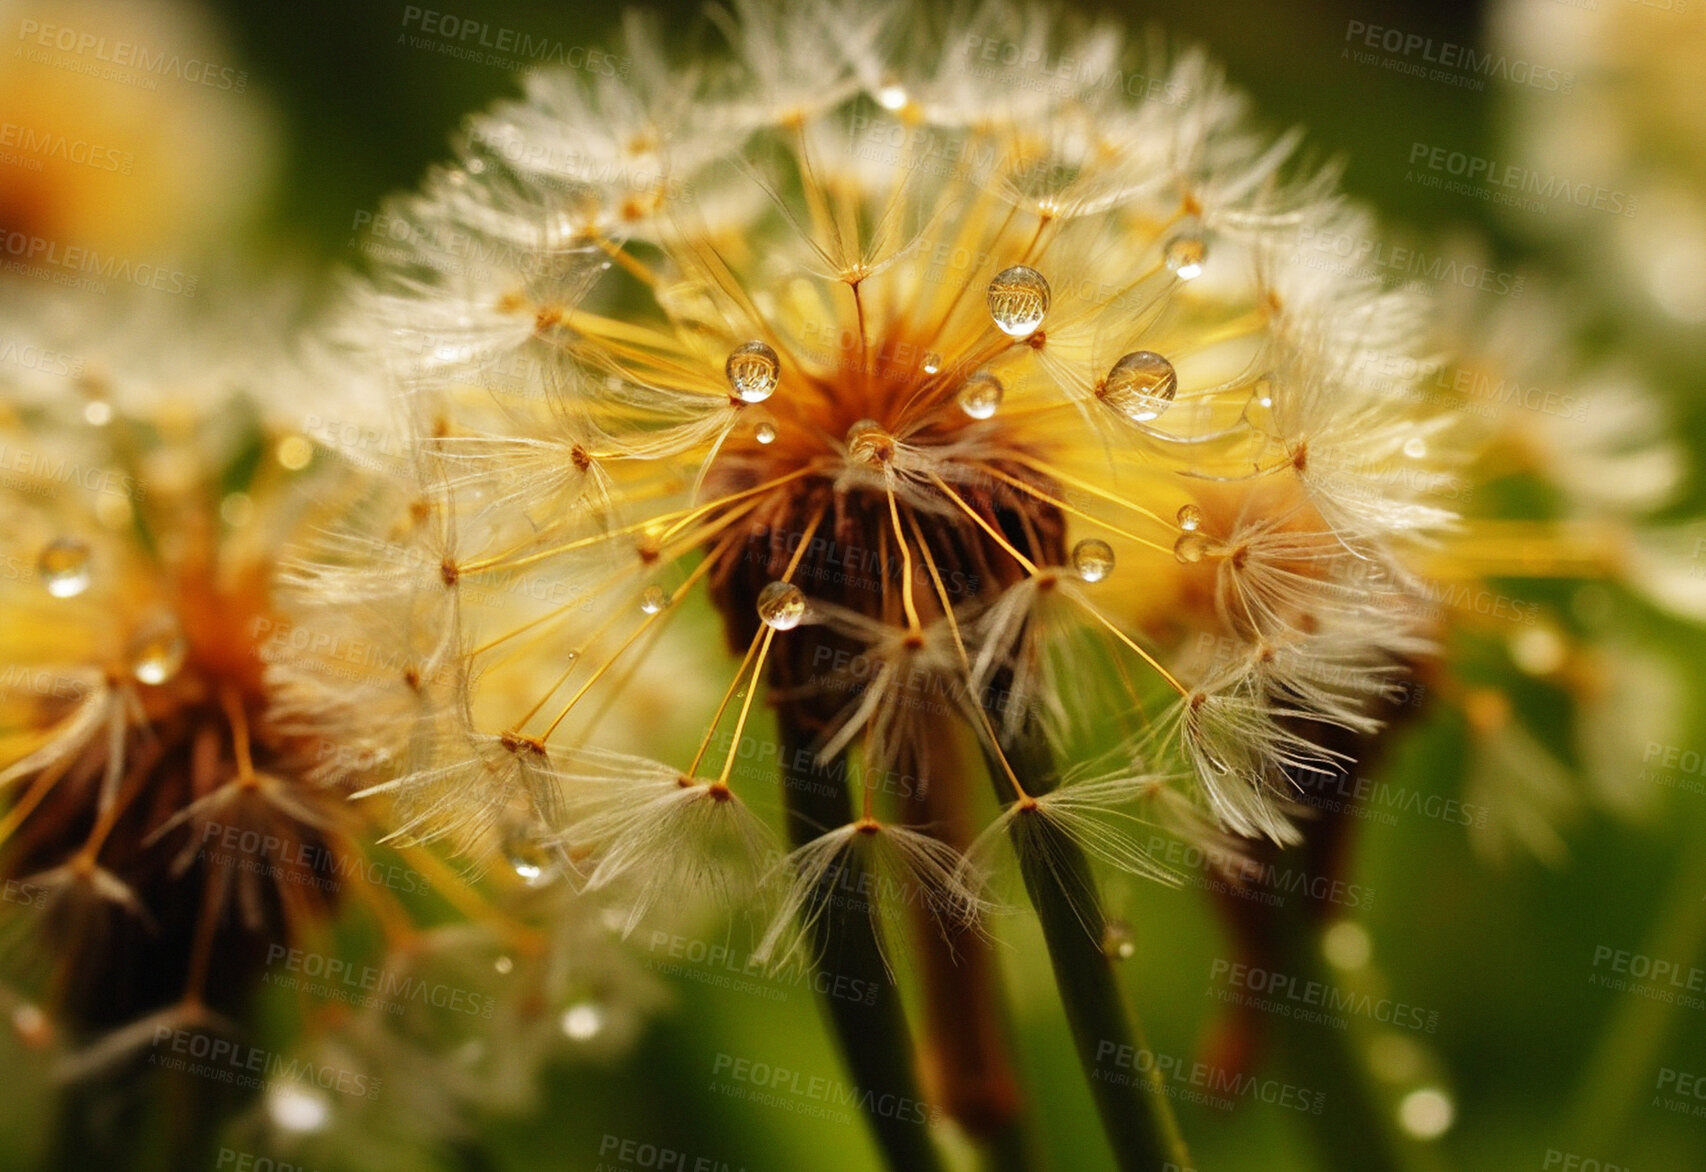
x=781, y=605
x=297, y=1108
x=1415, y=447
x=64, y=567
x=526, y=855
x=1190, y=518
x=932, y=362
x=1184, y=256
x=980, y=398
x=653, y=599
x=1118, y=940
x=1093, y=558
x=1140, y=386
x=762, y=424
x=157, y=652
x=1190, y=548
x=1018, y=300
x=891, y=97
x=504, y=965
x=98, y=413
x=752, y=370
x=868, y=443
x=583, y=1021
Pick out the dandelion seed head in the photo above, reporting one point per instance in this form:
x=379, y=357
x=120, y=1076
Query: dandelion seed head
x=159, y=792
x=891, y=359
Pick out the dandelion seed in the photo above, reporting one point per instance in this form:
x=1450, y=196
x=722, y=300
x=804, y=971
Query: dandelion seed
x=980, y=397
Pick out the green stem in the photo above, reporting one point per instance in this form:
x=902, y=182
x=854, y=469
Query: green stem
x=874, y=1038
x=1136, y=1116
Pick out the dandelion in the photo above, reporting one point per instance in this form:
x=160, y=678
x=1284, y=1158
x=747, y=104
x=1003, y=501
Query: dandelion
x=175, y=794
x=131, y=166
x=974, y=403
x=1591, y=439
x=1632, y=131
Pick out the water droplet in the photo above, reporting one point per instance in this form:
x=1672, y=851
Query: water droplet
x=157, y=651
x=295, y=1107
x=1118, y=940
x=765, y=432
x=64, y=567
x=1018, y=300
x=781, y=605
x=32, y=1025
x=1140, y=386
x=526, y=855
x=653, y=599
x=868, y=443
x=752, y=370
x=932, y=362
x=583, y=1021
x=891, y=97
x=980, y=398
x=98, y=413
x=1427, y=1113
x=504, y=965
x=1184, y=256
x=1538, y=650
x=294, y=452
x=1415, y=447
x=1262, y=391
x=1093, y=558
x=1190, y=518
x=1190, y=548
x=476, y=166
x=1347, y=945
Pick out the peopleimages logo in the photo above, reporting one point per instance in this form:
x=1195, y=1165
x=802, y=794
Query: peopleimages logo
x=1514, y=177
x=819, y=1090
x=463, y=37
x=1446, y=60
x=238, y=1064
x=127, y=55
x=21, y=249
x=47, y=144
x=337, y=979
